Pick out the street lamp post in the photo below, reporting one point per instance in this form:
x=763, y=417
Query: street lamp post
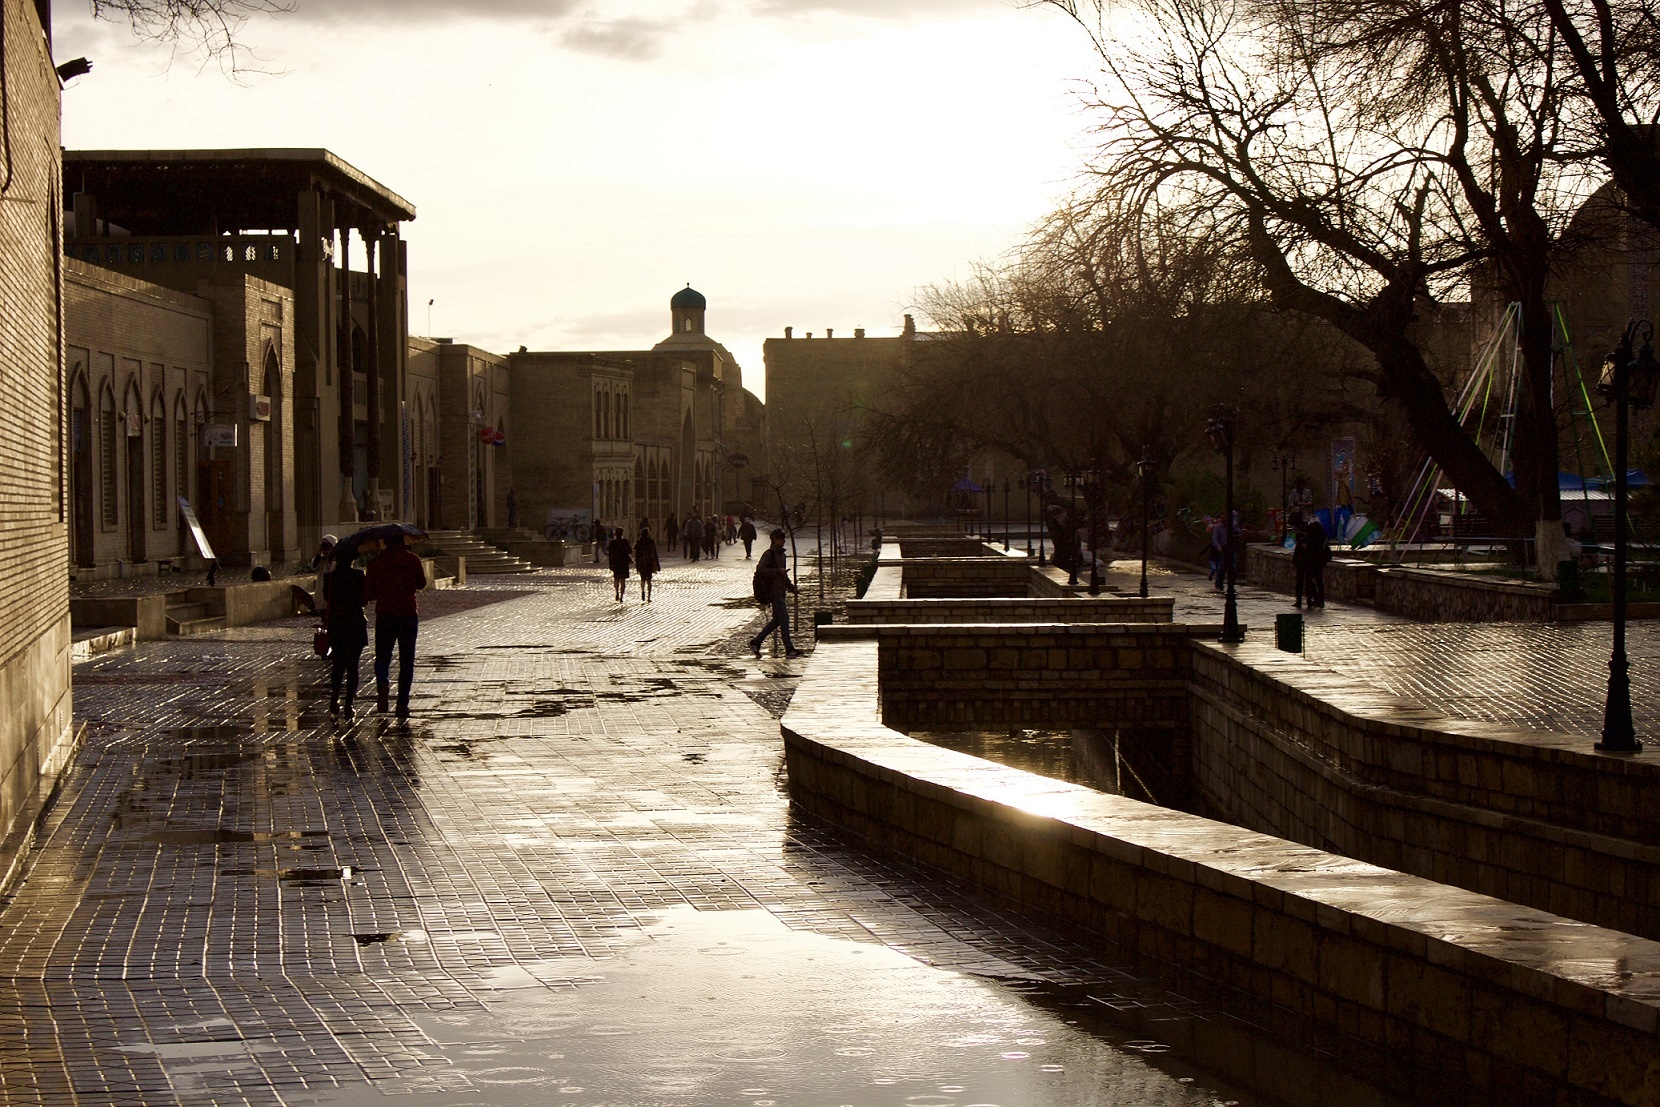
x=1071, y=482
x=1042, y=485
x=1221, y=430
x=1627, y=381
x=1144, y=468
x=1028, y=483
x=1005, y=514
x=1286, y=464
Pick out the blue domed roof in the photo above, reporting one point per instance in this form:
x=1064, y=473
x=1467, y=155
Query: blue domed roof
x=688, y=299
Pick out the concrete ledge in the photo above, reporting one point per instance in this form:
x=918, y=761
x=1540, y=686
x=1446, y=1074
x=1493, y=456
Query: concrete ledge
x=1401, y=973
x=91, y=642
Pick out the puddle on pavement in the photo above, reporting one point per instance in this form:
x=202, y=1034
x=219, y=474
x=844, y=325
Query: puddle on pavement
x=224, y=835
x=1086, y=757
x=734, y=1007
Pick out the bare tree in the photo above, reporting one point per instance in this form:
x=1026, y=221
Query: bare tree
x=211, y=29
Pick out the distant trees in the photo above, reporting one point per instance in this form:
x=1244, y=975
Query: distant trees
x=1110, y=332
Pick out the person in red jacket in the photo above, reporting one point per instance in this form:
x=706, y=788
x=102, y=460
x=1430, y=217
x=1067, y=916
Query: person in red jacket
x=394, y=576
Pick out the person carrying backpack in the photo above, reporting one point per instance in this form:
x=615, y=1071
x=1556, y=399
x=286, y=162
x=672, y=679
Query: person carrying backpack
x=772, y=584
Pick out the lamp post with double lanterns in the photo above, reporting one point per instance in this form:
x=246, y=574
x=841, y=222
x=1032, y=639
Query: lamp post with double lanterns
x=1041, y=485
x=1221, y=430
x=1144, y=469
x=1005, y=514
x=1628, y=381
x=1286, y=464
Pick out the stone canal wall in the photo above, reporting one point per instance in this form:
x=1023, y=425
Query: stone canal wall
x=1540, y=819
x=1428, y=595
x=1080, y=609
x=1432, y=987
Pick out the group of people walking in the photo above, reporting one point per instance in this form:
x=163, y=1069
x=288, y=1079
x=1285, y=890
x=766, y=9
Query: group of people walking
x=697, y=536
x=702, y=536
x=391, y=577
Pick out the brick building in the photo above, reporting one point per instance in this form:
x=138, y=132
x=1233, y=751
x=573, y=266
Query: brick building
x=635, y=434
x=295, y=260
x=819, y=391
x=35, y=728
x=456, y=418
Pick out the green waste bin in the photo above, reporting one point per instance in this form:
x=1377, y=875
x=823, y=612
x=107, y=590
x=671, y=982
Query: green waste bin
x=1288, y=632
x=1567, y=577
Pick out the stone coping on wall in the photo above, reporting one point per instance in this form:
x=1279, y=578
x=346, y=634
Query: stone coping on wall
x=1076, y=609
x=1515, y=1001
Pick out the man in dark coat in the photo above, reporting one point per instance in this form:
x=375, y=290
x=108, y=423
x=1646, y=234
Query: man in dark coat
x=692, y=535
x=772, y=585
x=746, y=535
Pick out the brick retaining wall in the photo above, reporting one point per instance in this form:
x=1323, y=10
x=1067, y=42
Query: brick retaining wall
x=1534, y=818
x=1400, y=974
x=1428, y=595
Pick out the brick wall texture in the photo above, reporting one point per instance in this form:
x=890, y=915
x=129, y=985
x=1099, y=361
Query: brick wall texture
x=34, y=604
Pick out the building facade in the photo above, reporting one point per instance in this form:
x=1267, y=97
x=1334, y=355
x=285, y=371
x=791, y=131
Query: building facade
x=456, y=415
x=35, y=710
x=299, y=259
x=632, y=435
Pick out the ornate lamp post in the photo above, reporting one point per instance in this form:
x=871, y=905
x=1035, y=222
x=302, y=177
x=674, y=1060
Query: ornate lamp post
x=1069, y=480
x=1027, y=481
x=1041, y=485
x=1005, y=514
x=1144, y=469
x=1627, y=381
x=1221, y=430
x=1286, y=464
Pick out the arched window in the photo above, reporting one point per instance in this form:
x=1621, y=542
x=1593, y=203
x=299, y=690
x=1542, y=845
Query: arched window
x=622, y=398
x=158, y=461
x=605, y=413
x=181, y=449
x=106, y=457
x=597, y=421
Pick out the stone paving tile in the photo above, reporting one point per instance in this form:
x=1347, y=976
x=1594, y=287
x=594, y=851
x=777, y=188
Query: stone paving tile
x=573, y=878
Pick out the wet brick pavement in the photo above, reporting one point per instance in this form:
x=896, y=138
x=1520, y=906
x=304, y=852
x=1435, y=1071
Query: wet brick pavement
x=1547, y=677
x=574, y=878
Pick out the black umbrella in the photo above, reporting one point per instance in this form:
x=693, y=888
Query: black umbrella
x=380, y=532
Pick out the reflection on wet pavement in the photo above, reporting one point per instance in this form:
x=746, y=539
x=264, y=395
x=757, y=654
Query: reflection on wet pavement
x=575, y=879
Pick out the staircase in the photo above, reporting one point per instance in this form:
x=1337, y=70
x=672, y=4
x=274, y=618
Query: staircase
x=195, y=611
x=481, y=558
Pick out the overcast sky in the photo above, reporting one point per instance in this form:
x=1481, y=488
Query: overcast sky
x=806, y=163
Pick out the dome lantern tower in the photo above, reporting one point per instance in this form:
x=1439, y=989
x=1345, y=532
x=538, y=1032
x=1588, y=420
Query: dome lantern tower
x=686, y=311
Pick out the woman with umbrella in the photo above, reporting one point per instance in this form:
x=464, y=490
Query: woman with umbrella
x=621, y=556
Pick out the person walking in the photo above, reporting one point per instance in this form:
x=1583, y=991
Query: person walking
x=512, y=509
x=671, y=533
x=394, y=576
x=1302, y=566
x=621, y=556
x=746, y=535
x=599, y=531
x=711, y=536
x=772, y=584
x=646, y=561
x=321, y=562
x=346, y=592
x=692, y=535
x=1319, y=554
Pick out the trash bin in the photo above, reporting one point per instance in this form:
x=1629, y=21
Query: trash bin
x=821, y=618
x=1288, y=632
x=1567, y=577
